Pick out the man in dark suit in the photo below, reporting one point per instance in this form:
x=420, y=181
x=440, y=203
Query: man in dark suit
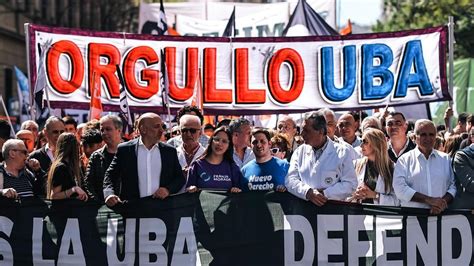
x=144, y=166
x=53, y=127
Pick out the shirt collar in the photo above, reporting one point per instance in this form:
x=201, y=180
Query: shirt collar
x=140, y=143
x=418, y=153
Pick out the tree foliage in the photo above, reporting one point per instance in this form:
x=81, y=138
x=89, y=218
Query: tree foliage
x=411, y=14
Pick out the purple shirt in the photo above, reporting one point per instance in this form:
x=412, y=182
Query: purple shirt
x=205, y=175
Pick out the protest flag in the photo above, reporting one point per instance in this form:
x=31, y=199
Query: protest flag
x=347, y=29
x=165, y=86
x=196, y=99
x=38, y=112
x=125, y=113
x=306, y=22
x=23, y=91
x=230, y=30
x=96, y=103
x=162, y=23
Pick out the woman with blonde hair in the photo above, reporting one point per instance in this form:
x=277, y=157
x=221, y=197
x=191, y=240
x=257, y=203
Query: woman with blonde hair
x=64, y=176
x=375, y=171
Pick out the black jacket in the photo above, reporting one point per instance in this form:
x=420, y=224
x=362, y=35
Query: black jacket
x=94, y=177
x=121, y=178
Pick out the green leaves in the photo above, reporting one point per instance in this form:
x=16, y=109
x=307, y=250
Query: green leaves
x=411, y=14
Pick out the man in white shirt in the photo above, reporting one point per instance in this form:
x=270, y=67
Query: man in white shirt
x=320, y=169
x=144, y=166
x=241, y=133
x=423, y=177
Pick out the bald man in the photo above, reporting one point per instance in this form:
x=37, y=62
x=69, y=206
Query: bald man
x=143, y=166
x=28, y=138
x=347, y=128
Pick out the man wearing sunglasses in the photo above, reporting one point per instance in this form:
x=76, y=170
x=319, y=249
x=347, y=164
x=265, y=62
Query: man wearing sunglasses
x=190, y=150
x=16, y=181
x=53, y=127
x=265, y=172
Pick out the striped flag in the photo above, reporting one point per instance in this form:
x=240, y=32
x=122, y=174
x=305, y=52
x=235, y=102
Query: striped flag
x=230, y=30
x=162, y=23
x=96, y=103
x=306, y=22
x=125, y=113
x=39, y=111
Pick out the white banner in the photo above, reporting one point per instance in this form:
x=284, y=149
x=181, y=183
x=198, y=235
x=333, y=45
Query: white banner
x=247, y=75
x=265, y=15
x=263, y=24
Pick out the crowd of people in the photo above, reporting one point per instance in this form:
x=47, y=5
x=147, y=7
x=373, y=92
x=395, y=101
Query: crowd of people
x=380, y=159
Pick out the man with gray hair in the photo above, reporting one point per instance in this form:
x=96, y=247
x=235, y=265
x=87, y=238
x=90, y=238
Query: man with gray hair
x=423, y=177
x=111, y=130
x=31, y=126
x=320, y=169
x=241, y=132
x=16, y=181
x=190, y=149
x=331, y=124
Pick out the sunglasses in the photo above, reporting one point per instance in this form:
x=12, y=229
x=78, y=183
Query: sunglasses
x=191, y=130
x=275, y=150
x=25, y=152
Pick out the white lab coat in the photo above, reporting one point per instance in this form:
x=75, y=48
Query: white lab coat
x=333, y=172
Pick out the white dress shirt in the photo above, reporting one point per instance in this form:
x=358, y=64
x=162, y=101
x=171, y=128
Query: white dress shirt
x=414, y=173
x=333, y=172
x=248, y=156
x=149, y=169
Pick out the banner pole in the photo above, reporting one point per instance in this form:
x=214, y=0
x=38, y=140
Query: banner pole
x=30, y=88
x=451, y=64
x=7, y=115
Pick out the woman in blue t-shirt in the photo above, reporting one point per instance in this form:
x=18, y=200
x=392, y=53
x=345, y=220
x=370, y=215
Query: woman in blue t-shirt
x=216, y=168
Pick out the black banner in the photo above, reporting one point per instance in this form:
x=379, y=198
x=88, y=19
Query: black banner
x=215, y=228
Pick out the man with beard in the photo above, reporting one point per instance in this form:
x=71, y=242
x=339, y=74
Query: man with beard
x=265, y=172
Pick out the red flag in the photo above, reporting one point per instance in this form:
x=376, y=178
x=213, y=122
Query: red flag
x=96, y=103
x=197, y=95
x=348, y=29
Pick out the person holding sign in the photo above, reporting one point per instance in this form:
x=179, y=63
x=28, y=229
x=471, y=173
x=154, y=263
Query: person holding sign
x=266, y=172
x=216, y=169
x=320, y=169
x=64, y=177
x=143, y=166
x=423, y=177
x=375, y=171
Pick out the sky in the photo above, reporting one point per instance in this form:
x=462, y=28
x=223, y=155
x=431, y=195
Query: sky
x=363, y=12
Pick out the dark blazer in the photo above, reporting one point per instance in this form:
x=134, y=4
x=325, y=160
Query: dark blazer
x=463, y=167
x=121, y=178
x=41, y=175
x=42, y=156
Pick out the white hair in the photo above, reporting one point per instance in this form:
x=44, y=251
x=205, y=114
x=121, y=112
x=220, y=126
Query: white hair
x=422, y=122
x=9, y=145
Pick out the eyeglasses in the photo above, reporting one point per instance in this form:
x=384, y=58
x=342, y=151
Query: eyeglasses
x=285, y=127
x=25, y=152
x=275, y=150
x=217, y=140
x=191, y=130
x=57, y=131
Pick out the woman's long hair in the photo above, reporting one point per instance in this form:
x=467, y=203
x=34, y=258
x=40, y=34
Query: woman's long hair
x=383, y=164
x=229, y=153
x=67, y=151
